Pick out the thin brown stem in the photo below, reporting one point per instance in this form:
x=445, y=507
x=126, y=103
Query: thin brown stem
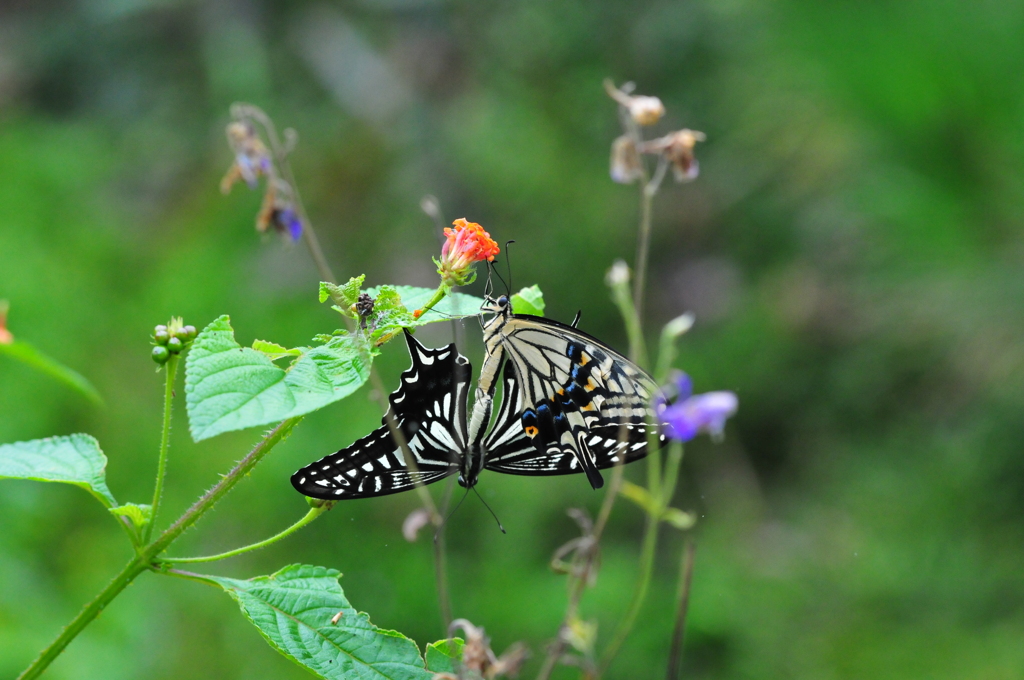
x=643, y=246
x=675, y=657
x=441, y=562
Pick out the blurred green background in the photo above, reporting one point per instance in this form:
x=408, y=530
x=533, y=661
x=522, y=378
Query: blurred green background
x=852, y=251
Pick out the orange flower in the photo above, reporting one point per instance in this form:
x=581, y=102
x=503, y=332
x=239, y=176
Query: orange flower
x=467, y=243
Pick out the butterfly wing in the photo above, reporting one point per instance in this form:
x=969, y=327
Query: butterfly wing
x=583, y=404
x=429, y=408
x=507, y=447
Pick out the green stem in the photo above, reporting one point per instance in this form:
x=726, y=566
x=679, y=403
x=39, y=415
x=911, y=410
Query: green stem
x=667, y=346
x=84, y=618
x=221, y=488
x=675, y=458
x=145, y=557
x=165, y=435
x=439, y=295
x=650, y=542
x=618, y=280
x=310, y=516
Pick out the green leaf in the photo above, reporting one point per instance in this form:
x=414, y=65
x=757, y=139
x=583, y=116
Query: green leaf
x=274, y=350
x=456, y=305
x=389, y=315
x=228, y=387
x=529, y=301
x=441, y=654
x=641, y=496
x=27, y=354
x=344, y=295
x=294, y=608
x=679, y=519
x=74, y=459
x=138, y=515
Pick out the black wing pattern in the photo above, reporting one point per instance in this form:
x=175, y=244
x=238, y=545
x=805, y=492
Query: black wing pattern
x=583, y=405
x=430, y=409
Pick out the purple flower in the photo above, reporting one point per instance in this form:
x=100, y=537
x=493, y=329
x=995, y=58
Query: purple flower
x=692, y=414
x=286, y=221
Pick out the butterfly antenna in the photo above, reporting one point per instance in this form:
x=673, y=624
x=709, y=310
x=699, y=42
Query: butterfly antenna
x=498, y=274
x=508, y=263
x=489, y=510
x=457, y=506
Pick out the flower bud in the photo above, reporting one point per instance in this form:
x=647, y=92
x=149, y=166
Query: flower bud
x=161, y=354
x=645, y=110
x=618, y=275
x=416, y=520
x=161, y=336
x=679, y=325
x=175, y=345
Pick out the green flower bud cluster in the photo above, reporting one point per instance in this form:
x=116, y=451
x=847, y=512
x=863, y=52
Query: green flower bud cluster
x=171, y=339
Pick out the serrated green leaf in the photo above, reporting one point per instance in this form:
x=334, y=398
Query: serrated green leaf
x=350, y=290
x=529, y=301
x=344, y=295
x=327, y=291
x=440, y=655
x=27, y=354
x=293, y=610
x=228, y=387
x=74, y=459
x=389, y=315
x=139, y=515
x=274, y=350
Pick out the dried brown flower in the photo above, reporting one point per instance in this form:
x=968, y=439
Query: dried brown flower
x=478, y=660
x=625, y=161
x=644, y=110
x=677, y=148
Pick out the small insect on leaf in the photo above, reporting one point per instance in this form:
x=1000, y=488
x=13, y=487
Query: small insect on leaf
x=336, y=618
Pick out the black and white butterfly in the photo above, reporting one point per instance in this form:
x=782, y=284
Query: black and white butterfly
x=430, y=408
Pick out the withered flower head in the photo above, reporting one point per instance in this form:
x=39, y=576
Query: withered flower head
x=278, y=211
x=644, y=110
x=252, y=160
x=625, y=162
x=677, y=147
x=477, y=656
